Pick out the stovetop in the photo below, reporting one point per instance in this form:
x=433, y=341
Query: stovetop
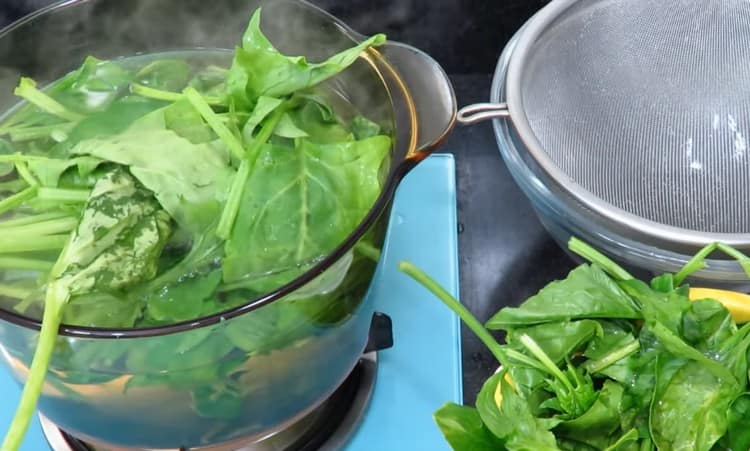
x=423, y=368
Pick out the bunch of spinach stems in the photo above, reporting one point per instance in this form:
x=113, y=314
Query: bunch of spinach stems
x=603, y=361
x=153, y=195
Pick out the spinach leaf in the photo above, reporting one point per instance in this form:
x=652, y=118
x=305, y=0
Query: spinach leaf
x=612, y=353
x=329, y=305
x=165, y=74
x=209, y=81
x=558, y=340
x=116, y=244
x=114, y=120
x=364, y=128
x=598, y=423
x=100, y=309
x=666, y=309
x=463, y=429
x=183, y=300
x=670, y=374
x=94, y=86
x=508, y=417
x=707, y=324
x=185, y=121
x=263, y=108
x=691, y=411
x=189, y=180
x=259, y=69
x=273, y=326
x=118, y=240
x=311, y=196
x=587, y=292
x=89, y=89
x=315, y=117
x=287, y=128
x=676, y=346
x=738, y=423
x=627, y=442
x=199, y=351
x=49, y=170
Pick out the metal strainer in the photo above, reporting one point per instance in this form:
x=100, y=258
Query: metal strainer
x=640, y=111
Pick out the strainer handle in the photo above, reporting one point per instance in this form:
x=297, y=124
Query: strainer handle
x=478, y=112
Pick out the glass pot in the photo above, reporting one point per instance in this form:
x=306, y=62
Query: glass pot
x=248, y=372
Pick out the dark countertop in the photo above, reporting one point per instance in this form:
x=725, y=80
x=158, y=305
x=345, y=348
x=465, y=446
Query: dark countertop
x=505, y=254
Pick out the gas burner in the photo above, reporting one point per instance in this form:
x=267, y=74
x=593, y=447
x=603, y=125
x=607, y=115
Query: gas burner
x=326, y=428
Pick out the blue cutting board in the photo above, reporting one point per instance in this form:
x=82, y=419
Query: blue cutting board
x=423, y=369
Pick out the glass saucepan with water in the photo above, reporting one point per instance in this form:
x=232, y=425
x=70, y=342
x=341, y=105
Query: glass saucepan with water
x=193, y=319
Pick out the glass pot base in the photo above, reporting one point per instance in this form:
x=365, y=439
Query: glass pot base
x=327, y=427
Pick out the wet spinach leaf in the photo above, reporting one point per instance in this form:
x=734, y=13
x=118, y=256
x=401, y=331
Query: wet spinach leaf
x=464, y=430
x=587, y=292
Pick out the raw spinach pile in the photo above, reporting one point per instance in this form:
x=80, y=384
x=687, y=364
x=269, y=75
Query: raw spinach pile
x=603, y=361
x=141, y=195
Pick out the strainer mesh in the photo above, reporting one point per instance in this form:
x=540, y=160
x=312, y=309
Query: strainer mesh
x=646, y=104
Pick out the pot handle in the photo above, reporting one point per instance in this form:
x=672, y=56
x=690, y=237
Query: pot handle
x=478, y=112
x=430, y=90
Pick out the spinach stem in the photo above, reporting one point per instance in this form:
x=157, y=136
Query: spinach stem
x=17, y=199
x=32, y=219
x=525, y=360
x=595, y=366
x=368, y=250
x=28, y=90
x=64, y=195
x=31, y=231
x=232, y=207
x=589, y=253
x=646, y=445
x=743, y=259
x=42, y=243
x=542, y=356
x=25, y=263
x=577, y=378
x=25, y=174
x=696, y=263
x=169, y=96
x=216, y=124
x=470, y=320
x=16, y=157
x=53, y=308
x=41, y=131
